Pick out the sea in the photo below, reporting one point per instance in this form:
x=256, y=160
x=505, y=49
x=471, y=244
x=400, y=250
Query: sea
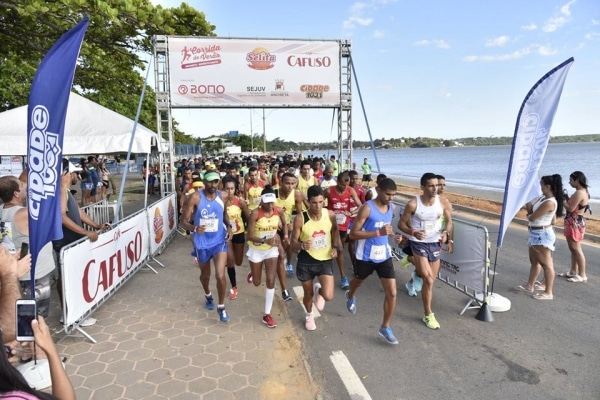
x=484, y=167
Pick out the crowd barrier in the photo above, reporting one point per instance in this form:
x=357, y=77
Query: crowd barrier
x=466, y=269
x=93, y=271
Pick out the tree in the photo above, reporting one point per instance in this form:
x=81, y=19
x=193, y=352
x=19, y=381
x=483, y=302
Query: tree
x=116, y=47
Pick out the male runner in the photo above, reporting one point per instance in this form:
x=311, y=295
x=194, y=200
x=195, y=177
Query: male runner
x=253, y=189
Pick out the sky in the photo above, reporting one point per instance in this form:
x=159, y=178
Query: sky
x=444, y=69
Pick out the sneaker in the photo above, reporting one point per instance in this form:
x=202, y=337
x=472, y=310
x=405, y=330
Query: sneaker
x=289, y=269
x=269, y=321
x=210, y=302
x=309, y=322
x=404, y=262
x=88, y=322
x=223, y=316
x=345, y=283
x=249, y=277
x=417, y=282
x=388, y=335
x=319, y=300
x=285, y=295
x=411, y=289
x=350, y=304
x=431, y=322
x=233, y=292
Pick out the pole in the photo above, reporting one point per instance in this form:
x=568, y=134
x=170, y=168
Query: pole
x=264, y=135
x=251, y=132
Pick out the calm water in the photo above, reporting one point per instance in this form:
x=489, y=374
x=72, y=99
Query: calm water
x=486, y=167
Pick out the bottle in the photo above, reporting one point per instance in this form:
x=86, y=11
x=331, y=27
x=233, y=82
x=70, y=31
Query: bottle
x=6, y=231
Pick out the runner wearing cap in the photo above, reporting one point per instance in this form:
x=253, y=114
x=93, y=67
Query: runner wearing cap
x=211, y=230
x=263, y=246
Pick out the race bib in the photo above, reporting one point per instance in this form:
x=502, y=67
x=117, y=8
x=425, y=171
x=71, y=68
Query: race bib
x=234, y=226
x=269, y=235
x=377, y=253
x=256, y=201
x=211, y=224
x=319, y=242
x=340, y=219
x=431, y=227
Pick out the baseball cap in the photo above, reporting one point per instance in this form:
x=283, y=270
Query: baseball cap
x=211, y=176
x=268, y=198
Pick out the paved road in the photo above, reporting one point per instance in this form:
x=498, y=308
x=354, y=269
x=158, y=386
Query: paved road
x=537, y=350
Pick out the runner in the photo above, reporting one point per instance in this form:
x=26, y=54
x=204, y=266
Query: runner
x=366, y=167
x=253, y=188
x=315, y=235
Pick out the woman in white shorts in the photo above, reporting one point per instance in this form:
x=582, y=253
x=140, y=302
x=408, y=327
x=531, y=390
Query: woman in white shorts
x=263, y=246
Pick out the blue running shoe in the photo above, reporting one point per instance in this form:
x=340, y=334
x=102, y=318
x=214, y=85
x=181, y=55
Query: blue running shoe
x=345, y=283
x=411, y=289
x=417, y=282
x=210, y=302
x=388, y=335
x=223, y=316
x=350, y=304
x=289, y=269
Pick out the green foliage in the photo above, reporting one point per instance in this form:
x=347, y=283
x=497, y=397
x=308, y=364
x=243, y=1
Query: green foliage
x=117, y=45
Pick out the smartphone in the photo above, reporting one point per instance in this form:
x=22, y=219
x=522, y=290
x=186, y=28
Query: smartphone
x=26, y=312
x=24, y=249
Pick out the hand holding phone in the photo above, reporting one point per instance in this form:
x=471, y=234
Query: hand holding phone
x=26, y=310
x=24, y=249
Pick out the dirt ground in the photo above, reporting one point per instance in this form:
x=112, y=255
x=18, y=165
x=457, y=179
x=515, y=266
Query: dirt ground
x=592, y=221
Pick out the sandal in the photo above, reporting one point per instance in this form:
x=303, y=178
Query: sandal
x=577, y=279
x=538, y=286
x=543, y=296
x=522, y=288
x=567, y=274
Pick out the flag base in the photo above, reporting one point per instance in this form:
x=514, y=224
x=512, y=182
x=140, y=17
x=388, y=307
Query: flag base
x=485, y=314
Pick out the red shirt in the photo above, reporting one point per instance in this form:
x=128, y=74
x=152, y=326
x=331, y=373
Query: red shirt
x=339, y=203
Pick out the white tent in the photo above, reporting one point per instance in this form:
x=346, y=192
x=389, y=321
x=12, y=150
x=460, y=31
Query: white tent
x=89, y=129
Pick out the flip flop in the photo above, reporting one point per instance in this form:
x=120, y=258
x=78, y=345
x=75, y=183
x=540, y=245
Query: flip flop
x=543, y=296
x=567, y=275
x=577, y=279
x=539, y=286
x=522, y=288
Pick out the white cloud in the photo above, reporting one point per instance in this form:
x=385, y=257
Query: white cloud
x=444, y=93
x=439, y=43
x=351, y=22
x=497, y=42
x=378, y=34
x=499, y=57
x=530, y=27
x=592, y=36
x=360, y=10
x=595, y=22
x=557, y=21
x=546, y=51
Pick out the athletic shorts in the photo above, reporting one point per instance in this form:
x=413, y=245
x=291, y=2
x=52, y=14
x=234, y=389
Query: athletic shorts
x=431, y=251
x=343, y=235
x=367, y=178
x=385, y=269
x=259, y=255
x=407, y=250
x=42, y=293
x=542, y=237
x=204, y=255
x=307, y=272
x=238, y=238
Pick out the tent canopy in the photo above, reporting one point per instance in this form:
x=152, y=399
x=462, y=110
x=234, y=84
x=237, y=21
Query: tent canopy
x=89, y=129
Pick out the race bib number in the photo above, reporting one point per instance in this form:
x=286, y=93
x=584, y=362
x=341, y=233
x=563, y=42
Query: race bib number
x=256, y=201
x=340, y=219
x=431, y=227
x=319, y=242
x=210, y=224
x=269, y=235
x=234, y=226
x=377, y=253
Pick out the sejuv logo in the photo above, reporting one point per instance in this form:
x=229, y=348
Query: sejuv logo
x=44, y=156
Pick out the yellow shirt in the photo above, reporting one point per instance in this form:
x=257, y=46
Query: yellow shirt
x=265, y=227
x=235, y=216
x=287, y=205
x=319, y=233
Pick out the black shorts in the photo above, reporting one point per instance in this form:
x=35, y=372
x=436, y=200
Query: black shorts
x=407, y=250
x=307, y=272
x=343, y=235
x=385, y=270
x=238, y=238
x=367, y=178
x=431, y=251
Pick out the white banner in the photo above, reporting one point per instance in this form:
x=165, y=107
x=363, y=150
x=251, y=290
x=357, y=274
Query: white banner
x=220, y=72
x=161, y=218
x=92, y=270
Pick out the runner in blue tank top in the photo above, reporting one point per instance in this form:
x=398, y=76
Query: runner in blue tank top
x=211, y=230
x=371, y=229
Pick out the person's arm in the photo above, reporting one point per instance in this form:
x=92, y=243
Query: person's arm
x=336, y=242
x=298, y=201
x=572, y=203
x=296, y=229
x=9, y=293
x=368, y=195
x=449, y=225
x=61, y=385
x=186, y=214
x=87, y=220
x=244, y=207
x=355, y=197
x=545, y=207
x=227, y=222
x=251, y=224
x=404, y=222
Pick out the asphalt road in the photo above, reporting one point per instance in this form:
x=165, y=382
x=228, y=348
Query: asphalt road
x=537, y=350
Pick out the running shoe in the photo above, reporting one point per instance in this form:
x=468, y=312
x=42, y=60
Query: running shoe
x=289, y=269
x=233, y=292
x=404, y=262
x=388, y=335
x=309, y=322
x=223, y=316
x=410, y=288
x=210, y=302
x=319, y=300
x=417, y=282
x=269, y=321
x=431, y=322
x=345, y=283
x=285, y=295
x=249, y=277
x=350, y=304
